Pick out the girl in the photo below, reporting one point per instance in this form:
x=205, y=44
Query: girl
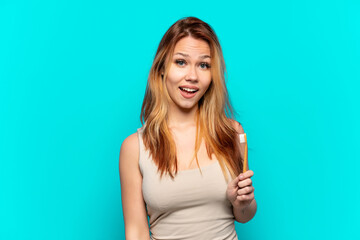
x=183, y=167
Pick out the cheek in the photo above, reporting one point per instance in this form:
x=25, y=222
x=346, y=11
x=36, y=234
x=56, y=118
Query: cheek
x=207, y=81
x=171, y=85
x=170, y=82
x=176, y=75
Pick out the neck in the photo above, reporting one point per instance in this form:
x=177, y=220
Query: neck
x=182, y=118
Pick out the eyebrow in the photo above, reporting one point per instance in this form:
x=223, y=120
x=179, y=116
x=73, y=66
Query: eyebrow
x=186, y=55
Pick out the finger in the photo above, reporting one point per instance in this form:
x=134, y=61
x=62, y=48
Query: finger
x=244, y=183
x=246, y=197
x=246, y=190
x=247, y=174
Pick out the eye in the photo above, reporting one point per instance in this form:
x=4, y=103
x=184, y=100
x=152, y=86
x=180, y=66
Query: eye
x=180, y=62
x=205, y=65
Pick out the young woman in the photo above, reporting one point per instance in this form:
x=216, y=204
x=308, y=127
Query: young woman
x=183, y=167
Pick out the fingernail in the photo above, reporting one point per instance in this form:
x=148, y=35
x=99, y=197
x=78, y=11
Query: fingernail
x=241, y=176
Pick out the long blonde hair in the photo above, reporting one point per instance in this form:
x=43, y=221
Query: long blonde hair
x=214, y=116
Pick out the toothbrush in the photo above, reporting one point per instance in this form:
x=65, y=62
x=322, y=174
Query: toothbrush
x=243, y=140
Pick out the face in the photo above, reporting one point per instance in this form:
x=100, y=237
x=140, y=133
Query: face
x=189, y=74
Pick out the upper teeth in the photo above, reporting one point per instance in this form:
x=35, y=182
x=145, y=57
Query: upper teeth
x=189, y=89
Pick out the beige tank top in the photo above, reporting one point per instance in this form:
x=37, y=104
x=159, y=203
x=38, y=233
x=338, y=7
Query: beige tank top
x=192, y=206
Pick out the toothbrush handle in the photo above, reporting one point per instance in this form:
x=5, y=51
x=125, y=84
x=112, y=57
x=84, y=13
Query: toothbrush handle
x=245, y=167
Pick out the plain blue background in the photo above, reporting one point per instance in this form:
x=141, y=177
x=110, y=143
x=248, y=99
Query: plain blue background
x=72, y=81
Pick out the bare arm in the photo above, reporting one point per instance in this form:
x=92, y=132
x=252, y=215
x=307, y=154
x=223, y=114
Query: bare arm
x=244, y=215
x=134, y=211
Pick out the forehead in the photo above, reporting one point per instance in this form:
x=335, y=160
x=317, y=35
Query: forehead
x=192, y=46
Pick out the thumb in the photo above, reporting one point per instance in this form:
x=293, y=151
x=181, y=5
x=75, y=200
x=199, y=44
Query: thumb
x=234, y=182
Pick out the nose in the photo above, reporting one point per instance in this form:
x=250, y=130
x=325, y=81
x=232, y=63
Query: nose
x=191, y=74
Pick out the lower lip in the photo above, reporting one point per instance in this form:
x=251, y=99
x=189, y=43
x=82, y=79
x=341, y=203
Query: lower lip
x=186, y=94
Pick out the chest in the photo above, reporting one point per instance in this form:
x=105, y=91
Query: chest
x=185, y=150
x=187, y=190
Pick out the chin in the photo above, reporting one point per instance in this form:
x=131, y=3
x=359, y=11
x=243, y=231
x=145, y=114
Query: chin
x=187, y=106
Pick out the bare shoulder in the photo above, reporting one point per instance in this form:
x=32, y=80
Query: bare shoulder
x=134, y=210
x=129, y=152
x=237, y=126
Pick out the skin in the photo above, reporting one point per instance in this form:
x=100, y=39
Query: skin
x=240, y=191
x=184, y=70
x=188, y=67
x=187, y=70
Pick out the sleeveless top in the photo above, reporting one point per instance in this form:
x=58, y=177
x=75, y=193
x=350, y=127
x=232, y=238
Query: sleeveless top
x=192, y=206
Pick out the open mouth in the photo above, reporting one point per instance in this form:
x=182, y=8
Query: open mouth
x=188, y=90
